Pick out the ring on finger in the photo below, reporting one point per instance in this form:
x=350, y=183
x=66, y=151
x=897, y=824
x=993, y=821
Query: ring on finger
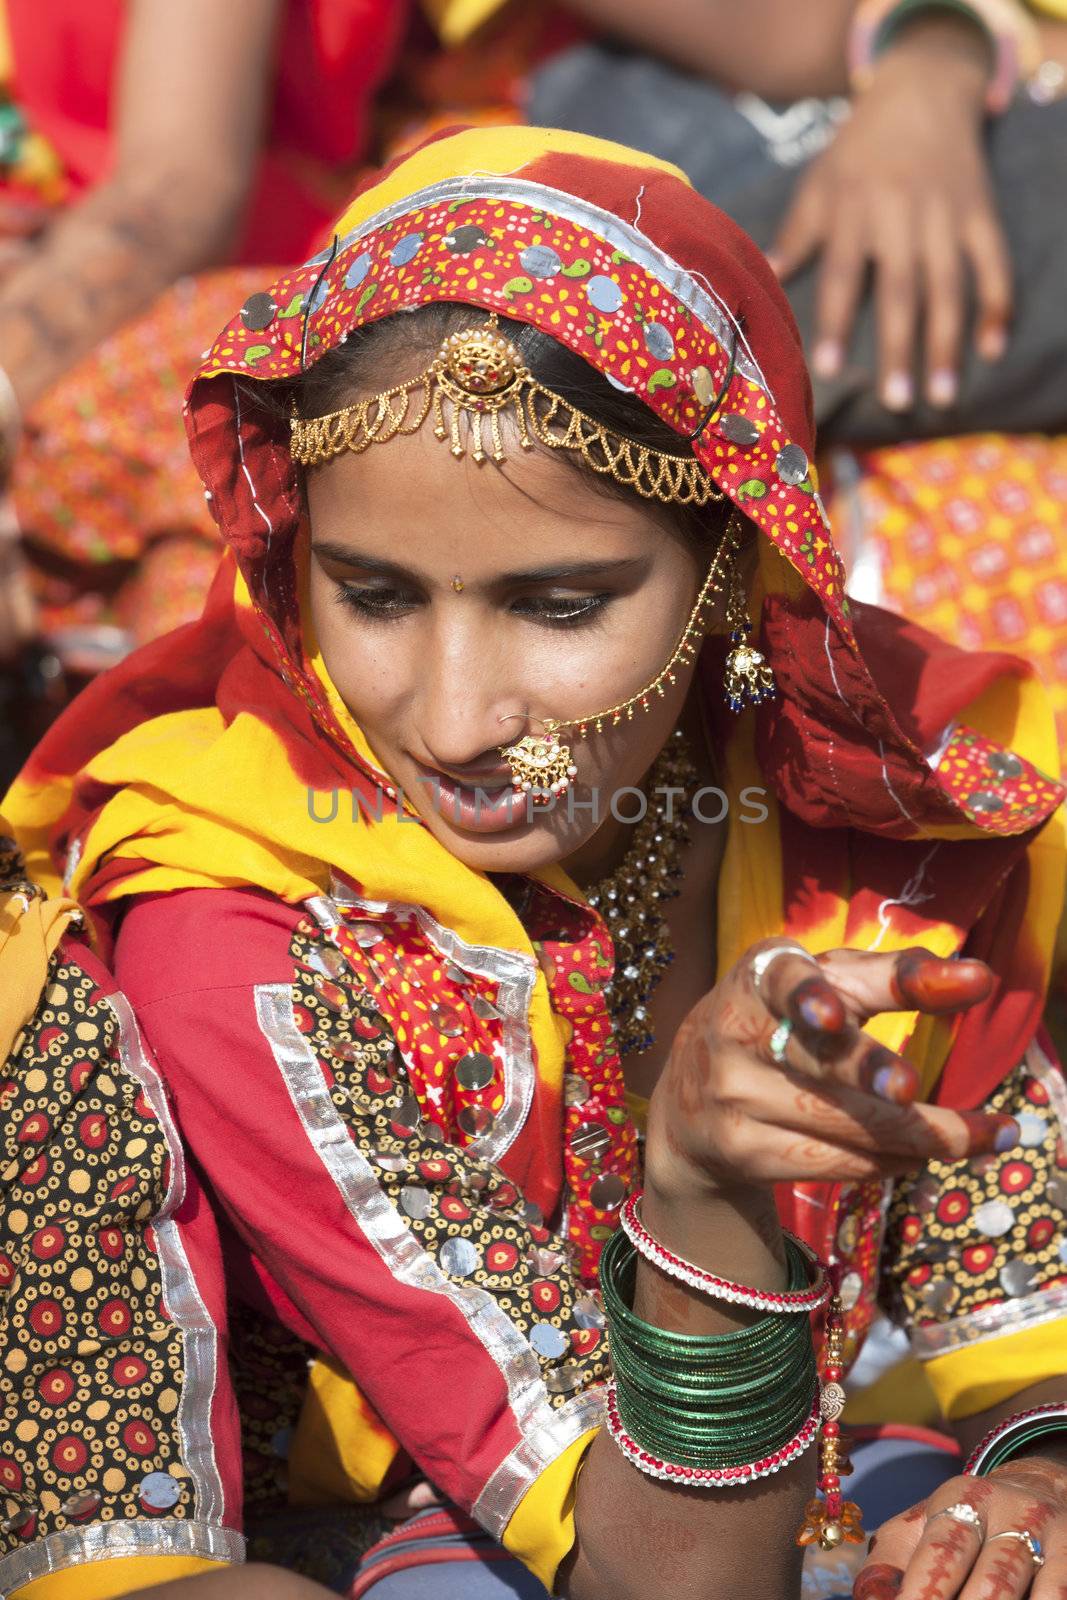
x=1025, y=1537
x=763, y=960
x=963, y=1512
x=778, y=1042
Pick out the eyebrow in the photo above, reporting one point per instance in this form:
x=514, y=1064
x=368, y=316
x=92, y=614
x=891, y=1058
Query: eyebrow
x=346, y=556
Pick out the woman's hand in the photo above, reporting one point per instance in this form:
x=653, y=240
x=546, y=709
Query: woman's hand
x=838, y=1106
x=904, y=191
x=922, y=1555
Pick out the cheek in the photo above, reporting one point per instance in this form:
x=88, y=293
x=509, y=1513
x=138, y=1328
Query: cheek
x=620, y=757
x=578, y=674
x=365, y=665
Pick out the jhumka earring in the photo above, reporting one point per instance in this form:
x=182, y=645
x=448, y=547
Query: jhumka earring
x=542, y=767
x=748, y=675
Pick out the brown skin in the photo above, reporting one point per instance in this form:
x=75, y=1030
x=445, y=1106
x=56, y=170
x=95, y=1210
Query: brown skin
x=1029, y=1491
x=903, y=190
x=252, y=1582
x=183, y=163
x=437, y=678
x=936, y=1558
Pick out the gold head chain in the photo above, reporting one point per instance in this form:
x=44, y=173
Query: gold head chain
x=480, y=375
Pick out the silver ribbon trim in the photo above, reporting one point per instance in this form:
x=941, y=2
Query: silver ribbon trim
x=181, y=1293
x=104, y=1541
x=701, y=300
x=546, y=1431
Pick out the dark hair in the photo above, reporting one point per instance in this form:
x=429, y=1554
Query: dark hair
x=387, y=351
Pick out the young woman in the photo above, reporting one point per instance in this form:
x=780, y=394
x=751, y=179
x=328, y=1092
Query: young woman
x=393, y=850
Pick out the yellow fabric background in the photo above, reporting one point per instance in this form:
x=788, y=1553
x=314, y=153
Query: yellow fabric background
x=104, y=1580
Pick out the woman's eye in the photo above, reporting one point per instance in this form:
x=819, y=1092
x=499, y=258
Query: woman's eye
x=574, y=609
x=383, y=604
x=375, y=602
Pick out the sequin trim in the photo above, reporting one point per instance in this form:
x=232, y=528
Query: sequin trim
x=933, y=1339
x=546, y=1430
x=515, y=977
x=106, y=1541
x=181, y=1295
x=705, y=305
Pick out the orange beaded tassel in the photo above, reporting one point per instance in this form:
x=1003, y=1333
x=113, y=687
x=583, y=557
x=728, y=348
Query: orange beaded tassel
x=832, y=1521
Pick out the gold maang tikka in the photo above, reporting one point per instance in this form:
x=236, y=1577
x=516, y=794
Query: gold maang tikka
x=478, y=374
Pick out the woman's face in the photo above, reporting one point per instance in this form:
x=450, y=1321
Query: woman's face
x=460, y=606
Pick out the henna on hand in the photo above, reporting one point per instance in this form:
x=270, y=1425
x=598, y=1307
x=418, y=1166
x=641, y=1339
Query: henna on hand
x=925, y=982
x=878, y=1581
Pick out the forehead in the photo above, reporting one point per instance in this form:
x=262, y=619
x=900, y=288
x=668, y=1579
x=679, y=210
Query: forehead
x=597, y=284
x=412, y=495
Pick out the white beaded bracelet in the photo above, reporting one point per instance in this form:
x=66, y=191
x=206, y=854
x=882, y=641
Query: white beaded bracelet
x=709, y=1283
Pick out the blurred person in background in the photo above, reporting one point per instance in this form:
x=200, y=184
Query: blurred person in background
x=153, y=159
x=902, y=164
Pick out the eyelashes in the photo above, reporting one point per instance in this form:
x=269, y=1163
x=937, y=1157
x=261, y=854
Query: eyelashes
x=388, y=605
x=377, y=604
x=564, y=613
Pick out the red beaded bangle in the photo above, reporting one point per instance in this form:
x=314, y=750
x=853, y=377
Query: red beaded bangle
x=708, y=1477
x=979, y=1456
x=717, y=1288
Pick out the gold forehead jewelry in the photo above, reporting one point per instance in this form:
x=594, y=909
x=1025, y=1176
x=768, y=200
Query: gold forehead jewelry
x=542, y=767
x=480, y=374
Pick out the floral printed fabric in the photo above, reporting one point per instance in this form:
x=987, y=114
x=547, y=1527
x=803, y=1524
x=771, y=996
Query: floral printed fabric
x=968, y=537
x=112, y=1436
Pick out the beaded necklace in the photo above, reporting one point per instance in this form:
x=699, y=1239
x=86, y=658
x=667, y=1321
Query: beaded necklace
x=630, y=899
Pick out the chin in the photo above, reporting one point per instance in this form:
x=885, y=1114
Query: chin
x=523, y=849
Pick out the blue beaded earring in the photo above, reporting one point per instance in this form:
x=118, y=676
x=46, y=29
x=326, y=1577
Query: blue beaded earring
x=748, y=676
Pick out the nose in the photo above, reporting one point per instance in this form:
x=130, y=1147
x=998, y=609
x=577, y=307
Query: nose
x=469, y=702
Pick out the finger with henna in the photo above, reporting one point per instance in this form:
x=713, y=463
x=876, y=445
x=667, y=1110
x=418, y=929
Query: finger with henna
x=877, y=1581
x=926, y=982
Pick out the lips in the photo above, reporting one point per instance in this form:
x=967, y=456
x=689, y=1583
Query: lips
x=478, y=804
x=489, y=778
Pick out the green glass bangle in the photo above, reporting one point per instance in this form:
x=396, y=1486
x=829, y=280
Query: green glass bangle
x=1019, y=1441
x=706, y=1401
x=618, y=1265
